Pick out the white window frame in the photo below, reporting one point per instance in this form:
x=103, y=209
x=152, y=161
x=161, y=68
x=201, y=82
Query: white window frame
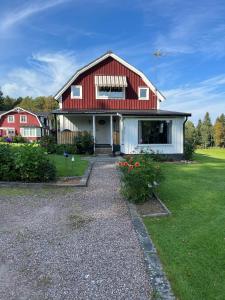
x=139, y=93
x=98, y=97
x=11, y=129
x=21, y=119
x=30, y=135
x=13, y=117
x=76, y=97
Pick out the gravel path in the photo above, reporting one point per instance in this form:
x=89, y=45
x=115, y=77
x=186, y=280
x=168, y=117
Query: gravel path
x=70, y=244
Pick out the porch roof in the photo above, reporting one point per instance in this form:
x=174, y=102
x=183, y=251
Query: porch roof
x=143, y=113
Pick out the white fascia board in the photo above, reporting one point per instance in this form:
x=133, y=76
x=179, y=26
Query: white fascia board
x=123, y=62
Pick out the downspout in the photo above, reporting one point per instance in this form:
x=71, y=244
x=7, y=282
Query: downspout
x=186, y=118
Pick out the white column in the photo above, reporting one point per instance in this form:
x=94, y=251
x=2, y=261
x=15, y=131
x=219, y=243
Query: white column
x=111, y=130
x=93, y=128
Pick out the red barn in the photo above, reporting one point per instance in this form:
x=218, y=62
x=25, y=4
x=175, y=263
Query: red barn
x=19, y=121
x=119, y=106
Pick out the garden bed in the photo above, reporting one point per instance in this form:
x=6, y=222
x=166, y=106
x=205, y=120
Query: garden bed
x=154, y=207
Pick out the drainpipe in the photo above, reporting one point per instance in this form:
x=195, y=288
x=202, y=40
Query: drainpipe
x=186, y=118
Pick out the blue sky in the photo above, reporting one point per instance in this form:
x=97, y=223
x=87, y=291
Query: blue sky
x=43, y=42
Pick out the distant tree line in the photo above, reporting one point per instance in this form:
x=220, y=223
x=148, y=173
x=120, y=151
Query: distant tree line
x=38, y=104
x=206, y=134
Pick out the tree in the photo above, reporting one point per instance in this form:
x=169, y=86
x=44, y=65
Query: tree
x=207, y=131
x=219, y=131
x=1, y=100
x=8, y=103
x=198, y=133
x=190, y=132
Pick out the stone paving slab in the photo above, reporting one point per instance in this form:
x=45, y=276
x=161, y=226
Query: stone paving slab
x=71, y=244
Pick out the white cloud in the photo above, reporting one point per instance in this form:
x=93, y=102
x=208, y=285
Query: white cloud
x=207, y=95
x=44, y=75
x=21, y=13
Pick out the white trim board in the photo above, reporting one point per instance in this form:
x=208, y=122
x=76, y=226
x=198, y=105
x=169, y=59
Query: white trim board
x=120, y=60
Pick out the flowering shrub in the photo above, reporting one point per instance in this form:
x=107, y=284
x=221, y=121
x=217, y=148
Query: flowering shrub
x=140, y=177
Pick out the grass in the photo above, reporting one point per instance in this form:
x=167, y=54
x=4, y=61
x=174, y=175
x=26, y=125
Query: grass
x=65, y=167
x=191, y=242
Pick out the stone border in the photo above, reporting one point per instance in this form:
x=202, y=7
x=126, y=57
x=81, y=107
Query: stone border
x=160, y=284
x=161, y=214
x=83, y=181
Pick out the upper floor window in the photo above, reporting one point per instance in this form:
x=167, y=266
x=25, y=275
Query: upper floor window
x=23, y=119
x=107, y=92
x=11, y=119
x=76, y=92
x=143, y=93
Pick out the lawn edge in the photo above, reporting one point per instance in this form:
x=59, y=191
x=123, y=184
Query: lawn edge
x=157, y=277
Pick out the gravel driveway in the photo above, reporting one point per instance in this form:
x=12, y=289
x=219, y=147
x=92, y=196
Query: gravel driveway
x=70, y=244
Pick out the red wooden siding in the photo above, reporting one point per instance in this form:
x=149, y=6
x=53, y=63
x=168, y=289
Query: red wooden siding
x=31, y=121
x=108, y=67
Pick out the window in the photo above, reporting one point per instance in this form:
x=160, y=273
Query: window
x=11, y=119
x=30, y=132
x=155, y=132
x=106, y=92
x=76, y=92
x=143, y=93
x=11, y=132
x=23, y=119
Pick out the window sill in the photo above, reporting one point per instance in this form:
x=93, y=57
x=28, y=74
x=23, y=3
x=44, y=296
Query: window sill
x=154, y=145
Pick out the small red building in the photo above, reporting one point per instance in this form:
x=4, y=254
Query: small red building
x=19, y=121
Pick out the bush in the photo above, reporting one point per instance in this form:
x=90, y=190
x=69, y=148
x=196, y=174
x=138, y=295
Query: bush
x=189, y=149
x=19, y=139
x=48, y=142
x=84, y=143
x=27, y=163
x=140, y=177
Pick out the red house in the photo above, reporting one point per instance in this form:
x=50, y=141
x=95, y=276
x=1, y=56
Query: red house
x=19, y=121
x=120, y=106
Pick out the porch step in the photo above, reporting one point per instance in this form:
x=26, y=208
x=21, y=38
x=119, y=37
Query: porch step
x=104, y=150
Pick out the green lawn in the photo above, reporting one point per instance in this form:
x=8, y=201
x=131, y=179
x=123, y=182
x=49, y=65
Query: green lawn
x=191, y=242
x=66, y=167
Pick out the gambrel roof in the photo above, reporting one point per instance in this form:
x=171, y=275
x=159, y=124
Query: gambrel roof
x=102, y=58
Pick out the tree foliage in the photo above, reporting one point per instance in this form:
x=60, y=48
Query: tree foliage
x=38, y=104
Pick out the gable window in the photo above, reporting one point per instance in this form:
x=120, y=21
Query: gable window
x=11, y=119
x=143, y=93
x=23, y=119
x=76, y=91
x=155, y=132
x=107, y=92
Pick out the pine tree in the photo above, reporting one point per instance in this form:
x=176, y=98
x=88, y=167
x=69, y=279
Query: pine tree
x=198, y=133
x=190, y=132
x=207, y=132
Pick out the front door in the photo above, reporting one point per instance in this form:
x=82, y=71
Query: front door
x=102, y=130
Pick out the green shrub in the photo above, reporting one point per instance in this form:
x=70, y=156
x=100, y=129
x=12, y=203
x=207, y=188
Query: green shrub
x=189, y=149
x=48, y=142
x=19, y=139
x=27, y=163
x=140, y=177
x=84, y=143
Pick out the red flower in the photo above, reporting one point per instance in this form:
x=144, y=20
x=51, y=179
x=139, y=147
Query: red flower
x=137, y=164
x=125, y=164
x=130, y=168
